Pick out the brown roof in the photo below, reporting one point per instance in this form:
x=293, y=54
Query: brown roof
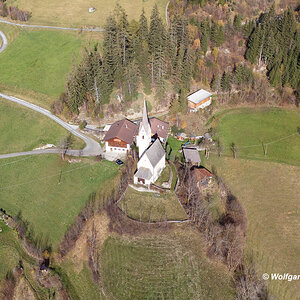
x=159, y=127
x=124, y=129
x=202, y=173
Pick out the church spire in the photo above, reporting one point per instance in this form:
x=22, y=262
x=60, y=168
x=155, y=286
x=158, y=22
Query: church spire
x=145, y=121
x=143, y=138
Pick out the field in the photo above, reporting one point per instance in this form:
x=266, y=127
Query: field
x=49, y=192
x=146, y=206
x=249, y=129
x=36, y=62
x=270, y=194
x=164, y=266
x=76, y=12
x=23, y=129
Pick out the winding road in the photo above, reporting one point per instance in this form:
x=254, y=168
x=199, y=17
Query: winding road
x=51, y=27
x=92, y=147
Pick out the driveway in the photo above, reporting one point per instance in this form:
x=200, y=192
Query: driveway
x=92, y=147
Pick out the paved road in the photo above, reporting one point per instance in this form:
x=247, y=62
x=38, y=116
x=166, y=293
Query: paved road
x=4, y=41
x=51, y=27
x=92, y=147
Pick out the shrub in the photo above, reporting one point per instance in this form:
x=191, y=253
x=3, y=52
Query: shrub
x=82, y=124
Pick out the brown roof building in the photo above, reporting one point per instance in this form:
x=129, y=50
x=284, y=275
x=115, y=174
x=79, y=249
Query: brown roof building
x=160, y=128
x=203, y=176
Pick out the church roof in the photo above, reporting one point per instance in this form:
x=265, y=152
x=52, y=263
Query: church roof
x=144, y=173
x=124, y=130
x=145, y=121
x=155, y=152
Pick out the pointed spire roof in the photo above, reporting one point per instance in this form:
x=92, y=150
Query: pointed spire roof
x=145, y=121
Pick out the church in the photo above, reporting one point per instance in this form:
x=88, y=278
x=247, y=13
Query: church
x=152, y=156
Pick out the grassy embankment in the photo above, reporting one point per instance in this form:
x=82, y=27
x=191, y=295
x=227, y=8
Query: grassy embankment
x=146, y=207
x=23, y=129
x=269, y=191
x=76, y=13
x=49, y=192
x=168, y=265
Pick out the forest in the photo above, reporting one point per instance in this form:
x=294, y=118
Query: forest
x=167, y=60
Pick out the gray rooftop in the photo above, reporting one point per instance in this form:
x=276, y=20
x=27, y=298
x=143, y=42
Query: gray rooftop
x=143, y=173
x=155, y=152
x=191, y=155
x=199, y=96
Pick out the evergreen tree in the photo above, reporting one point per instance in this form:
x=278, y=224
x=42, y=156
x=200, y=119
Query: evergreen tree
x=237, y=22
x=225, y=82
x=215, y=82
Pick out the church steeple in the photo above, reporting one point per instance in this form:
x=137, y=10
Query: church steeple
x=144, y=135
x=145, y=121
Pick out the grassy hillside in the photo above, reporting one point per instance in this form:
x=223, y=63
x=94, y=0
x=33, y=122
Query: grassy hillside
x=76, y=12
x=270, y=194
x=38, y=61
x=50, y=192
x=23, y=129
x=248, y=128
x=163, y=266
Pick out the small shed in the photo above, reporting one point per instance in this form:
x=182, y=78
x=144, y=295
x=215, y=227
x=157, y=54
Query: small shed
x=204, y=177
x=181, y=136
x=208, y=137
x=199, y=99
x=192, y=137
x=191, y=155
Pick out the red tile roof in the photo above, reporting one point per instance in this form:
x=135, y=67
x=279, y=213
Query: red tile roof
x=124, y=129
x=202, y=173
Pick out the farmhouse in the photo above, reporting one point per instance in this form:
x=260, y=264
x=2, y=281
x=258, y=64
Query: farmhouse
x=199, y=99
x=120, y=136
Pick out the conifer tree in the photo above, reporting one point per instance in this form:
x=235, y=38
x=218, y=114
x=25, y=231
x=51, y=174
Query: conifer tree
x=225, y=82
x=215, y=82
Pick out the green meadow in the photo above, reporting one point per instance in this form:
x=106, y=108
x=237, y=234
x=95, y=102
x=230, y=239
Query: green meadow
x=76, y=12
x=50, y=192
x=23, y=129
x=162, y=266
x=252, y=130
x=36, y=62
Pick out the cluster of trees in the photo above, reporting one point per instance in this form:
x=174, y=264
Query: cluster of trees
x=225, y=236
x=134, y=55
x=13, y=12
x=275, y=41
x=240, y=76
